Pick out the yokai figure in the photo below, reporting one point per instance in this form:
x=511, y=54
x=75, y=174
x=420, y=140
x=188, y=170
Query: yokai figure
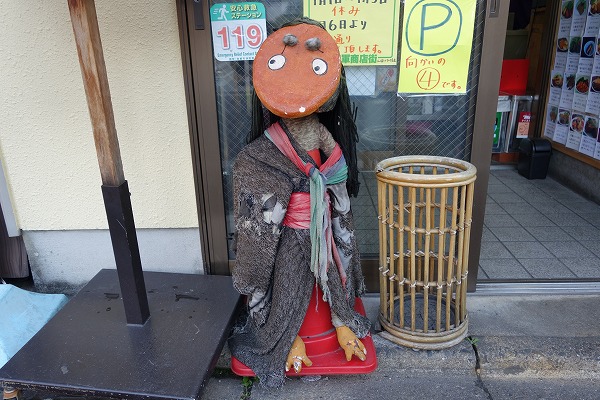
x=292, y=208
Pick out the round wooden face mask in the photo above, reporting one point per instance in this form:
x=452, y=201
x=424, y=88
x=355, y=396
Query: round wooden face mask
x=296, y=70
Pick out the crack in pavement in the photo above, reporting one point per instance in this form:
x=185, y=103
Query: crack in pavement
x=480, y=384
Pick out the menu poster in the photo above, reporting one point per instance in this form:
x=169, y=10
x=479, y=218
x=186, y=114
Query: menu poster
x=575, y=80
x=562, y=47
x=597, y=152
x=575, y=131
x=566, y=16
x=589, y=137
x=562, y=126
x=580, y=95
x=566, y=96
x=551, y=121
x=578, y=18
x=564, y=31
x=593, y=102
x=592, y=23
x=596, y=64
x=556, y=83
x=586, y=60
x=574, y=53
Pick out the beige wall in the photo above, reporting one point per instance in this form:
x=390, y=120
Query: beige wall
x=46, y=143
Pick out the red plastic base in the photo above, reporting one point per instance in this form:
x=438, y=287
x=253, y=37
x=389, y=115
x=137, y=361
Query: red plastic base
x=322, y=347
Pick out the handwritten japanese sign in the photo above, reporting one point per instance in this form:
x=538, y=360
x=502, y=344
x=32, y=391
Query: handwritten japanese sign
x=366, y=30
x=238, y=30
x=436, y=46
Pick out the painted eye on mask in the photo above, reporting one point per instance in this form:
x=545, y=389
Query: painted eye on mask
x=319, y=66
x=276, y=62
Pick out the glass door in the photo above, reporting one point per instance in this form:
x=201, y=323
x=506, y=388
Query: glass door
x=388, y=124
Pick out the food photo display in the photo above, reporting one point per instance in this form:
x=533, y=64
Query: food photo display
x=573, y=105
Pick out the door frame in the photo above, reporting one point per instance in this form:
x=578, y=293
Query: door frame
x=197, y=58
x=494, y=34
x=201, y=103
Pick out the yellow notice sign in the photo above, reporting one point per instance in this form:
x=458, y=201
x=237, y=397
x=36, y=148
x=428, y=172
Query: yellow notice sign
x=366, y=31
x=437, y=37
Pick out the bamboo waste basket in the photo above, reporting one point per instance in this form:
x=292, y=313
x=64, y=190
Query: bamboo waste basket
x=425, y=210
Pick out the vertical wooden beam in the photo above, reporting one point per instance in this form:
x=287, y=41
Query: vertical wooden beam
x=95, y=82
x=115, y=190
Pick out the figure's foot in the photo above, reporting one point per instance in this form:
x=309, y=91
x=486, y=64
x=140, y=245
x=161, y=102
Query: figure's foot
x=297, y=356
x=350, y=343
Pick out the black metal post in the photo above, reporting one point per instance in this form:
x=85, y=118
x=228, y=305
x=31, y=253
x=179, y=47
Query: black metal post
x=117, y=202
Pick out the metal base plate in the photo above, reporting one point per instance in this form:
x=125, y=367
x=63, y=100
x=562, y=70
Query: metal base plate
x=88, y=349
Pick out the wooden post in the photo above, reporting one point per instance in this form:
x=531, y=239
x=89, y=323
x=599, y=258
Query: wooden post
x=114, y=186
x=95, y=82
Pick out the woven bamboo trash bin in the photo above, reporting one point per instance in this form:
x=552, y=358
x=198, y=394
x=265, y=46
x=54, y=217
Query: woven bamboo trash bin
x=425, y=211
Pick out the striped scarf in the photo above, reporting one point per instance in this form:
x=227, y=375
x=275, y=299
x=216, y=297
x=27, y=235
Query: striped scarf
x=333, y=171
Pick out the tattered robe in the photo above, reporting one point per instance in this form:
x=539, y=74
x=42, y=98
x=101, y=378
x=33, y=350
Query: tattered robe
x=273, y=259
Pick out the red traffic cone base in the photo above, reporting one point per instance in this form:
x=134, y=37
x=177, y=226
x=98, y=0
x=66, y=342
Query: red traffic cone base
x=321, y=343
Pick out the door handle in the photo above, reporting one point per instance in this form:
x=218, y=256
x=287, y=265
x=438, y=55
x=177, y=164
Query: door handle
x=494, y=8
x=198, y=14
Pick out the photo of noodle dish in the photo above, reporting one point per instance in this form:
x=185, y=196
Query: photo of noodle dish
x=577, y=123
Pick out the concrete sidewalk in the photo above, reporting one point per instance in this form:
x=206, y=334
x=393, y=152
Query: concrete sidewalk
x=528, y=346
